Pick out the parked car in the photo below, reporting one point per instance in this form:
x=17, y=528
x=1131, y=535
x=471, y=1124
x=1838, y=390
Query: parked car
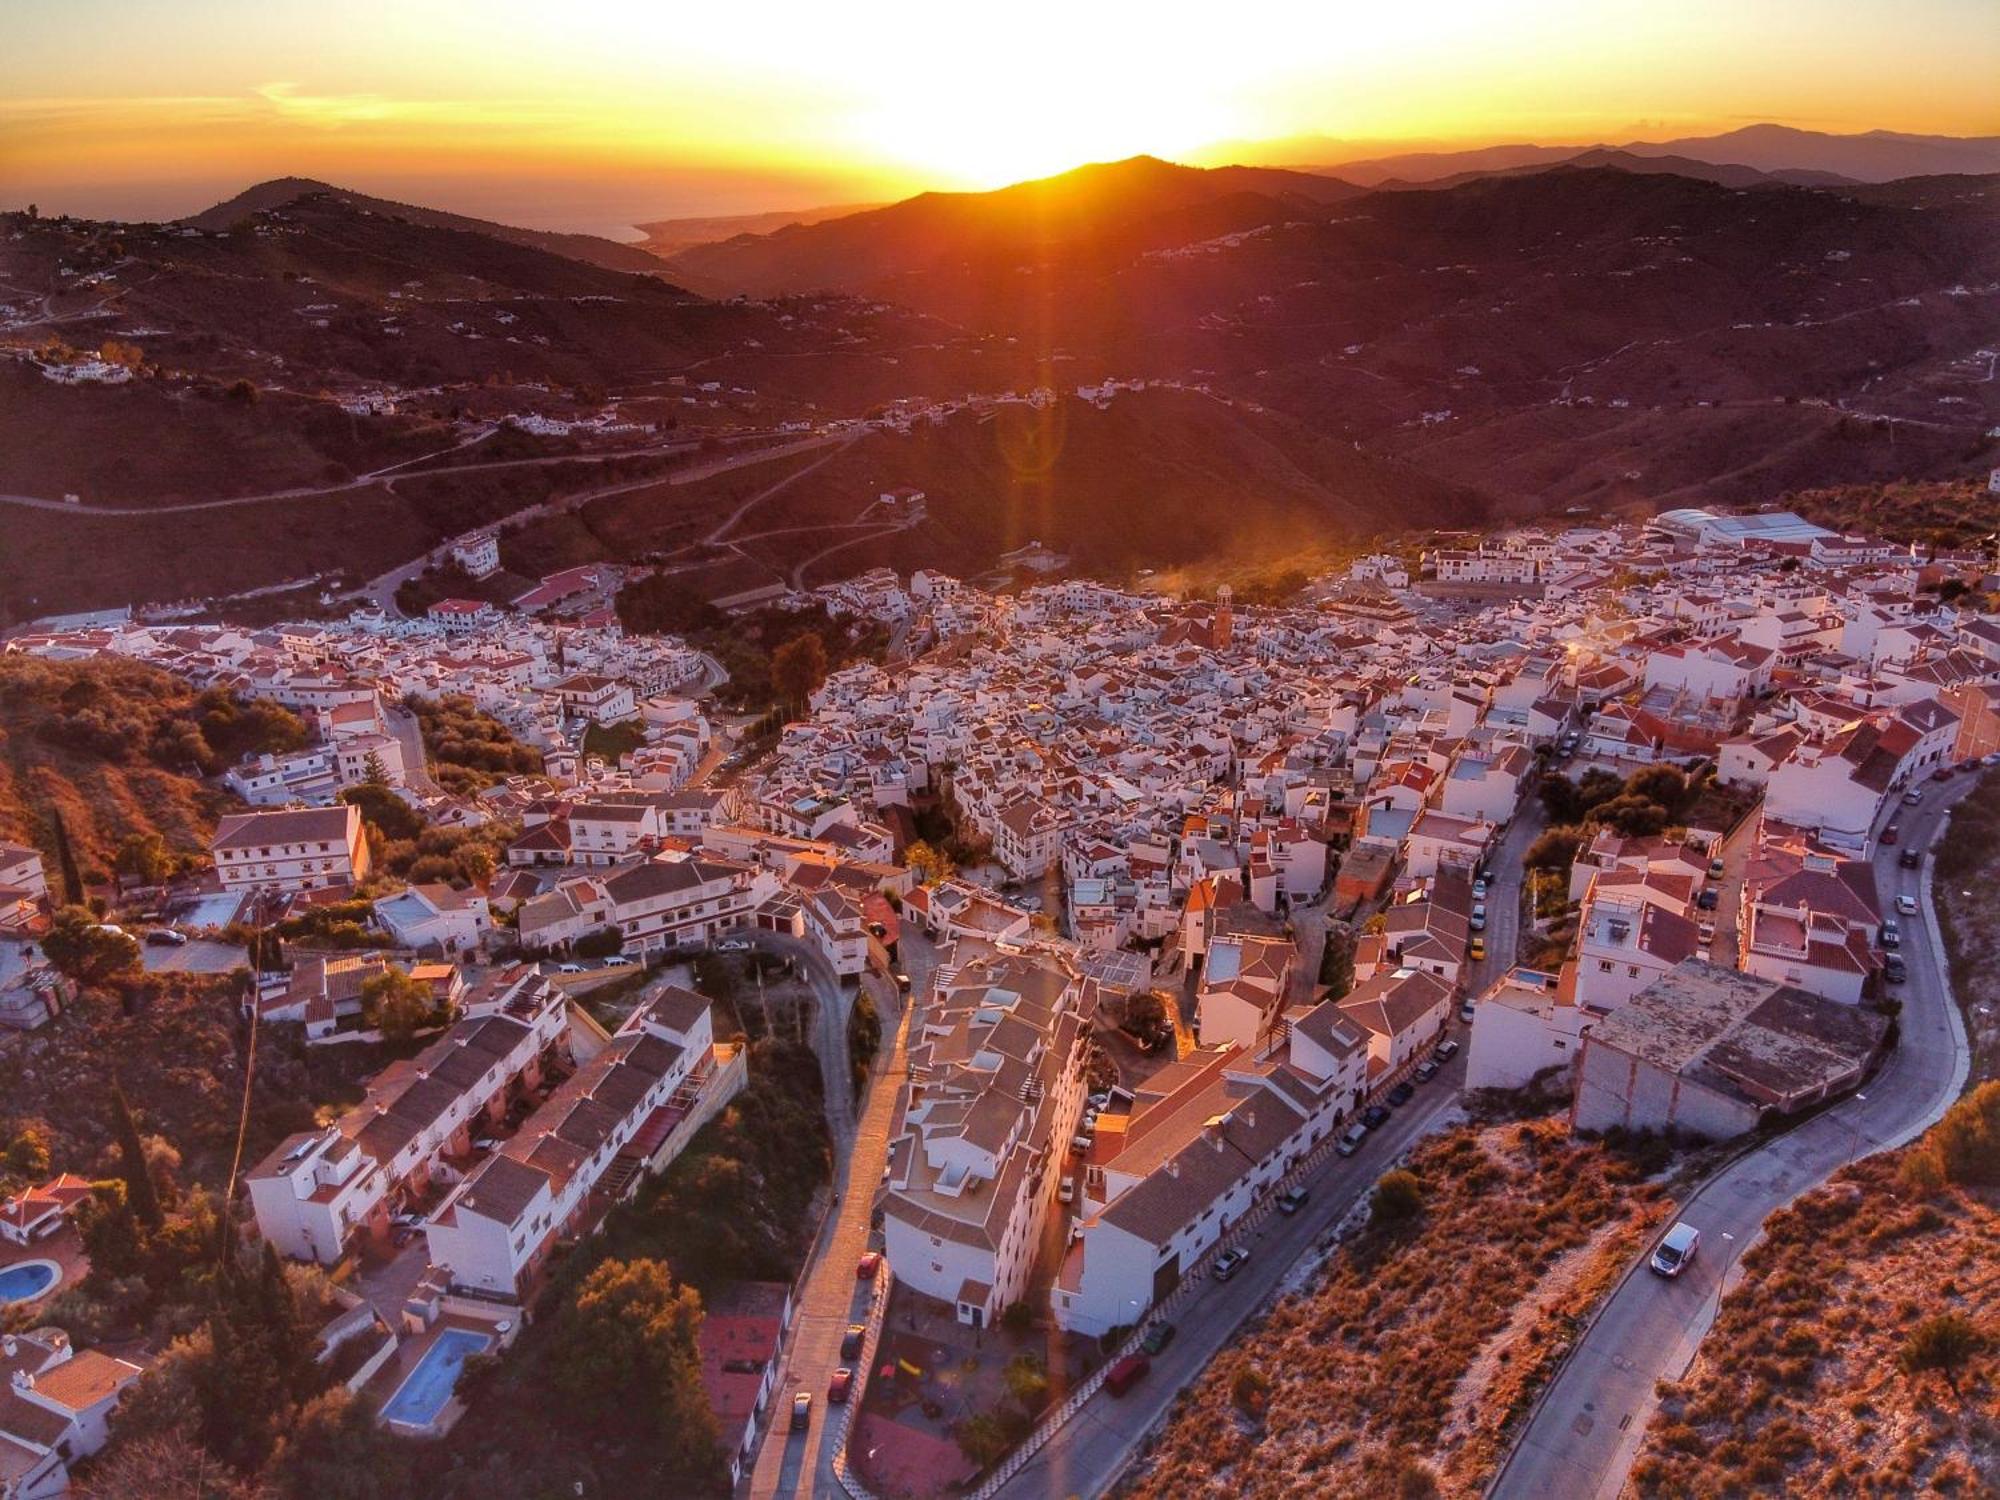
x=1479, y=916
x=1907, y=905
x=1715, y=868
x=1913, y=796
x=1446, y=1050
x=1676, y=1248
x=1374, y=1116
x=1892, y=833
x=1942, y=773
x=1465, y=1012
x=1066, y=1193
x=1158, y=1337
x=838, y=1387
x=1892, y=935
x=1126, y=1373
x=1705, y=930
x=802, y=1411
x=1476, y=949
x=1427, y=1070
x=866, y=1267
x=1911, y=859
x=166, y=937
x=569, y=968
x=1894, y=970
x=1351, y=1139
x=1291, y=1200
x=902, y=981
x=1479, y=889
x=851, y=1341
x=1402, y=1093
x=1229, y=1262
x=877, y=930
x=733, y=945
x=1709, y=899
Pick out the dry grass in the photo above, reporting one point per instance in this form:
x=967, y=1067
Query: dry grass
x=1799, y=1390
x=1399, y=1371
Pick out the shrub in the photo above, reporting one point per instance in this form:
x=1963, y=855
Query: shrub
x=1399, y=1197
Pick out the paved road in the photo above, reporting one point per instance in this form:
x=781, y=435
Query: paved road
x=1581, y=1441
x=1505, y=894
x=1092, y=1449
x=791, y=1463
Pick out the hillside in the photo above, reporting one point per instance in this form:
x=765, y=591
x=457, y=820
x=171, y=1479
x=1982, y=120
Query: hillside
x=115, y=750
x=1944, y=513
x=1395, y=1370
x=1802, y=1386
x=281, y=192
x=1213, y=480
x=1112, y=209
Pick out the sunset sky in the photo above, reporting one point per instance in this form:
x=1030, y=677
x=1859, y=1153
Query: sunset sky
x=592, y=115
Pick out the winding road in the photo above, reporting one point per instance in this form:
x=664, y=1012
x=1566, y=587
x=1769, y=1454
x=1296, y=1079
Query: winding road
x=1581, y=1440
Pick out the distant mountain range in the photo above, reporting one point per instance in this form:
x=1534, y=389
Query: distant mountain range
x=664, y=237
x=1780, y=150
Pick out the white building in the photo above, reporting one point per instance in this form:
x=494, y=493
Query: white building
x=299, y=849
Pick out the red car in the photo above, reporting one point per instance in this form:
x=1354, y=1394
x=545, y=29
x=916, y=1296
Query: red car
x=840, y=1385
x=868, y=1265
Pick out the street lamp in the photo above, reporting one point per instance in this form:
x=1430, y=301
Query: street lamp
x=1721, y=1275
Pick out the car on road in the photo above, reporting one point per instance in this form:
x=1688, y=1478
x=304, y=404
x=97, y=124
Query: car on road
x=1351, y=1139
x=1913, y=796
x=1427, y=1070
x=877, y=930
x=1229, y=1262
x=1291, y=1200
x=1907, y=905
x=733, y=945
x=1894, y=970
x=1446, y=1050
x=850, y=1341
x=902, y=981
x=1677, y=1247
x=569, y=968
x=1709, y=899
x=1892, y=935
x=1374, y=1117
x=1479, y=889
x=1942, y=773
x=802, y=1411
x=1066, y=1193
x=1715, y=869
x=166, y=937
x=1126, y=1373
x=1476, y=949
x=1479, y=916
x=838, y=1387
x=1892, y=833
x=1911, y=859
x=1158, y=1337
x=1402, y=1093
x=1705, y=930
x=1465, y=1012
x=866, y=1267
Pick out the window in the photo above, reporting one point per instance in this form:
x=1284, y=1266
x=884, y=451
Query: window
x=1604, y=966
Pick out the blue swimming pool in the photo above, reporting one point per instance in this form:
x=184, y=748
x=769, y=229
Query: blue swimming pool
x=28, y=1280
x=421, y=1396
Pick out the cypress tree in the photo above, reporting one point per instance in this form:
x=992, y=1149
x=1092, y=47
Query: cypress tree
x=66, y=858
x=139, y=1194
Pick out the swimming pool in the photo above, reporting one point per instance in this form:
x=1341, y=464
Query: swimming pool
x=422, y=1395
x=26, y=1280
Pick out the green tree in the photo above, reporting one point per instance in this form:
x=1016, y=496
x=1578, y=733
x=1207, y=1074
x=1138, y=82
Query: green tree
x=634, y=1328
x=132, y=1166
x=798, y=668
x=1945, y=1345
x=1250, y=1391
x=87, y=951
x=931, y=863
x=72, y=879
x=1399, y=1197
x=1554, y=849
x=1026, y=1377
x=332, y=1450
x=145, y=857
x=28, y=1152
x=373, y=772
x=396, y=1005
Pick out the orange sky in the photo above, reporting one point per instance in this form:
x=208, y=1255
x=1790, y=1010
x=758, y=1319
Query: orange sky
x=591, y=115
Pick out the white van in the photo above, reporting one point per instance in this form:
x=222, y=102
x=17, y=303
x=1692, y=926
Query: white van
x=1673, y=1253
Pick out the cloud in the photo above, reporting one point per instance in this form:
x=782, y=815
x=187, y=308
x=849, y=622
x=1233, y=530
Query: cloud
x=336, y=111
